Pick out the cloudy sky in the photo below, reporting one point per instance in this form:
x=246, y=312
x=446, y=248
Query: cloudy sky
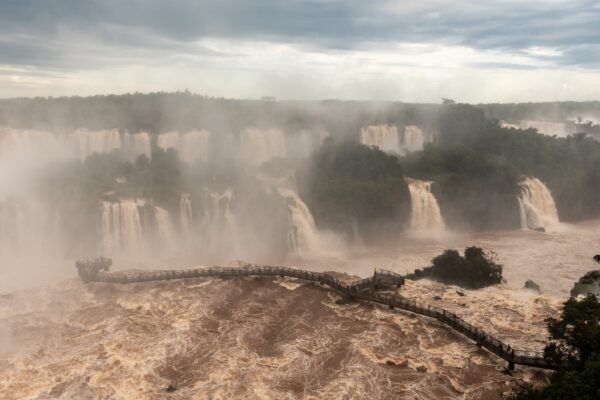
x=419, y=50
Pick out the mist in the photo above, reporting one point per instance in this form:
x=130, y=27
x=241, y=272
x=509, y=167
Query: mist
x=267, y=200
x=164, y=179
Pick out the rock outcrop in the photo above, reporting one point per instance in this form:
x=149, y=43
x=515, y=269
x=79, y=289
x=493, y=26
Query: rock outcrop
x=587, y=284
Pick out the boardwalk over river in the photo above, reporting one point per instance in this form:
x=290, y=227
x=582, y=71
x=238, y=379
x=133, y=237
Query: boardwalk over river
x=365, y=289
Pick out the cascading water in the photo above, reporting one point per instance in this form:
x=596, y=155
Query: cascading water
x=82, y=143
x=546, y=127
x=303, y=235
x=387, y=138
x=122, y=231
x=186, y=214
x=141, y=144
x=383, y=136
x=218, y=226
x=425, y=211
x=195, y=146
x=258, y=146
x=191, y=146
x=165, y=229
x=90, y=142
x=303, y=143
x=12, y=226
x=413, y=139
x=131, y=227
x=217, y=210
x=536, y=205
x=27, y=227
x=168, y=140
x=27, y=142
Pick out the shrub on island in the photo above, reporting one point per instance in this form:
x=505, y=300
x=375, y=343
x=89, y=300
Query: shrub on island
x=475, y=270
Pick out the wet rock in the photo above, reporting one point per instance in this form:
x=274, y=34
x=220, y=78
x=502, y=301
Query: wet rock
x=539, y=229
x=422, y=368
x=170, y=389
x=393, y=363
x=437, y=298
x=587, y=284
x=343, y=301
x=458, y=292
x=529, y=284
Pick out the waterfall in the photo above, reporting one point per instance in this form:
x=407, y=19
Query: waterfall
x=131, y=227
x=303, y=237
x=168, y=140
x=195, y=146
x=186, y=215
x=122, y=231
x=27, y=142
x=27, y=227
x=300, y=145
x=165, y=230
x=82, y=143
x=357, y=240
x=218, y=227
x=217, y=211
x=536, y=205
x=508, y=125
x=90, y=142
x=303, y=234
x=413, y=139
x=141, y=144
x=12, y=226
x=387, y=138
x=258, y=146
x=545, y=127
x=383, y=136
x=208, y=224
x=425, y=211
x=191, y=146
x=303, y=143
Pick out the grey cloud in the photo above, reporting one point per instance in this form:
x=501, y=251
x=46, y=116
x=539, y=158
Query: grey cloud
x=173, y=26
x=500, y=65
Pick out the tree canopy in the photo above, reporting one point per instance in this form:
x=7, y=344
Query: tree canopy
x=574, y=342
x=348, y=183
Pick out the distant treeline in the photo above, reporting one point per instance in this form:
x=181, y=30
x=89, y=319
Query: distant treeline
x=550, y=111
x=475, y=163
x=183, y=111
x=158, y=112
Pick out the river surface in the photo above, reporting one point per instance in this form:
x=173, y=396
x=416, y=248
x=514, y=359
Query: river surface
x=257, y=338
x=555, y=260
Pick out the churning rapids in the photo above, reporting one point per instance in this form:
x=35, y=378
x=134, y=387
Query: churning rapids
x=261, y=337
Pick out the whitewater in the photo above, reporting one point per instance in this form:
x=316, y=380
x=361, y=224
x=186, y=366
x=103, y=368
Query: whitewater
x=262, y=337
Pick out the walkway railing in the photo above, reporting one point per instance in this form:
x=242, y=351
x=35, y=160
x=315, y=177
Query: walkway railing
x=364, y=289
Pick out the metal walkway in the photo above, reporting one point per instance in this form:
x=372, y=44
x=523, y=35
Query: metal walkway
x=365, y=289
